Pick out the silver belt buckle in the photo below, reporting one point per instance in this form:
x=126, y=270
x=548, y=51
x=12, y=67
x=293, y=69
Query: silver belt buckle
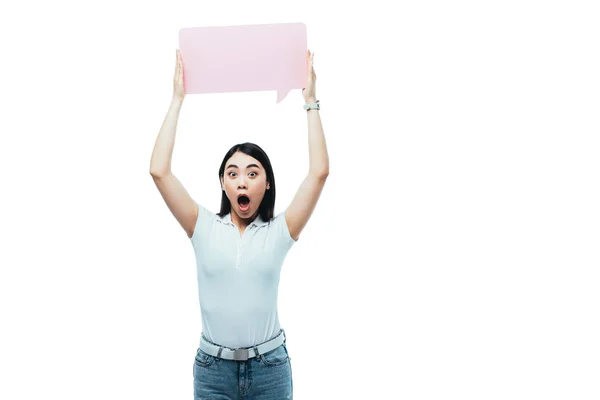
x=240, y=354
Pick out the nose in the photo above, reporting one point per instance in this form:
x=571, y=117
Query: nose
x=242, y=182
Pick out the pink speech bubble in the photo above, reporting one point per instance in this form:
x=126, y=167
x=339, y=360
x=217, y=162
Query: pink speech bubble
x=244, y=58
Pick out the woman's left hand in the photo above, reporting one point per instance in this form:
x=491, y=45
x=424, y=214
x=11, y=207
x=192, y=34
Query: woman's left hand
x=309, y=92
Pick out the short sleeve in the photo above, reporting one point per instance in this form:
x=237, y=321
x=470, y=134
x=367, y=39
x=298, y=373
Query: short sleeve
x=282, y=231
x=203, y=220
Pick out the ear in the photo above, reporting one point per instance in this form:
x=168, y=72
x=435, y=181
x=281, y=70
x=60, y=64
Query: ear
x=268, y=186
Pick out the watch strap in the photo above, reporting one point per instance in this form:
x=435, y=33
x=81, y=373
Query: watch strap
x=313, y=106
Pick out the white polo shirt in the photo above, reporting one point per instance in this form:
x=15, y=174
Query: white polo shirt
x=238, y=277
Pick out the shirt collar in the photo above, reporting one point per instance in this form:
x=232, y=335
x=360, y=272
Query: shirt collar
x=258, y=221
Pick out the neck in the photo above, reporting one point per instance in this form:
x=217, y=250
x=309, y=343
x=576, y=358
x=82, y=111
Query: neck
x=242, y=222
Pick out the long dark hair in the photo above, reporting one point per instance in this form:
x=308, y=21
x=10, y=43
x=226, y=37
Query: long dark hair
x=267, y=206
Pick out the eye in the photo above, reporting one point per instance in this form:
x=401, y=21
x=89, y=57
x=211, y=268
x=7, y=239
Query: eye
x=231, y=173
x=254, y=173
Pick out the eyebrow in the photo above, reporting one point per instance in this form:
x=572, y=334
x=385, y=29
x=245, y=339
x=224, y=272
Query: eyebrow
x=248, y=166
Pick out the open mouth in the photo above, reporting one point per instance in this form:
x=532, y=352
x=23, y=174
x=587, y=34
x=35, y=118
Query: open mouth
x=244, y=202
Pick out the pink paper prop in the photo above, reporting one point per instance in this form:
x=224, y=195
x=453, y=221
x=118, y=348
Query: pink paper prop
x=244, y=58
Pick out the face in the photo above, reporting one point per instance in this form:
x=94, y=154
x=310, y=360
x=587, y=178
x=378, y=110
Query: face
x=244, y=175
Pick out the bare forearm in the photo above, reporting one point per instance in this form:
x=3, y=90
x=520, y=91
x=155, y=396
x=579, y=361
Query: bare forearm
x=160, y=162
x=317, y=147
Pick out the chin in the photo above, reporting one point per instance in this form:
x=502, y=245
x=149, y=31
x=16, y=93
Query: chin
x=247, y=215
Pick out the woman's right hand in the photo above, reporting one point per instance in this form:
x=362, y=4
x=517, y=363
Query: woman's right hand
x=178, y=90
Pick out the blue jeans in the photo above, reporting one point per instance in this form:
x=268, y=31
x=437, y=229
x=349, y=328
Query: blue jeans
x=266, y=377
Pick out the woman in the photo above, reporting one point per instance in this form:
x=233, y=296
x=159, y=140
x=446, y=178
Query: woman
x=239, y=253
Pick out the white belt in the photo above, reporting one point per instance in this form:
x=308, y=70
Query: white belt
x=241, y=354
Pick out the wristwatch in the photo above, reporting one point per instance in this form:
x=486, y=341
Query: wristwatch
x=313, y=106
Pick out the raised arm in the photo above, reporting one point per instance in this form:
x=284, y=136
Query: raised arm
x=300, y=209
x=178, y=200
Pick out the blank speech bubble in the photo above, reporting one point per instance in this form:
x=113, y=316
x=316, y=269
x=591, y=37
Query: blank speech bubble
x=244, y=58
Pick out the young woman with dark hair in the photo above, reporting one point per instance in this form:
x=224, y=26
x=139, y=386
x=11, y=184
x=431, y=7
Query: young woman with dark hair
x=239, y=253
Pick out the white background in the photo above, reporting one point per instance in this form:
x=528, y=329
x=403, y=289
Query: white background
x=453, y=254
